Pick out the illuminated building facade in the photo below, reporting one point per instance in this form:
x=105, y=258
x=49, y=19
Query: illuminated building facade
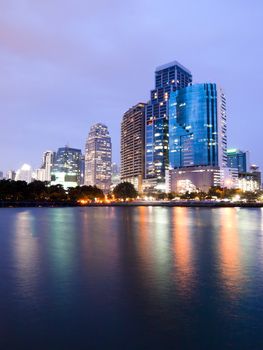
x=248, y=182
x=47, y=163
x=237, y=159
x=133, y=145
x=192, y=179
x=254, y=169
x=115, y=177
x=98, y=155
x=24, y=173
x=10, y=175
x=168, y=78
x=200, y=178
x=66, y=168
x=197, y=127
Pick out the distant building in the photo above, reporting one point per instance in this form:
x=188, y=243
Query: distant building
x=197, y=127
x=39, y=175
x=254, y=169
x=1, y=175
x=24, y=173
x=238, y=159
x=44, y=172
x=10, y=175
x=47, y=163
x=115, y=178
x=98, y=154
x=200, y=178
x=115, y=170
x=66, y=170
x=168, y=78
x=249, y=181
x=133, y=145
x=82, y=170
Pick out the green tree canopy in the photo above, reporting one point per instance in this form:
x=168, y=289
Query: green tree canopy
x=85, y=192
x=125, y=190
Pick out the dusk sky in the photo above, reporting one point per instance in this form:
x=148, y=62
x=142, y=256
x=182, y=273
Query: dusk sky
x=66, y=64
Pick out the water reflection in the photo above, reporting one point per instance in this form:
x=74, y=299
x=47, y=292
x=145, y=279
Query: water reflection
x=144, y=239
x=132, y=277
x=182, y=249
x=26, y=253
x=229, y=252
x=62, y=244
x=99, y=242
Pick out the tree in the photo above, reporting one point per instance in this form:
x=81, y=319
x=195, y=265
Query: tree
x=250, y=196
x=88, y=193
x=56, y=193
x=160, y=196
x=125, y=190
x=216, y=191
x=37, y=190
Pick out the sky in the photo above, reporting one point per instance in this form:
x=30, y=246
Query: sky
x=67, y=64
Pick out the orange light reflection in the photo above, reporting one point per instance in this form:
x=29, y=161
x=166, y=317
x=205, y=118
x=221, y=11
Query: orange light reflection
x=182, y=249
x=229, y=249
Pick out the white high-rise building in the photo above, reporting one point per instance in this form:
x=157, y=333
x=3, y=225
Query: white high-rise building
x=98, y=155
x=24, y=173
x=44, y=173
x=10, y=175
x=48, y=160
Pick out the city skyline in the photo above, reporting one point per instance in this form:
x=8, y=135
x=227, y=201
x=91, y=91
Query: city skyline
x=35, y=72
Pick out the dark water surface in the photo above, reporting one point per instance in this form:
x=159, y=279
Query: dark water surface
x=131, y=278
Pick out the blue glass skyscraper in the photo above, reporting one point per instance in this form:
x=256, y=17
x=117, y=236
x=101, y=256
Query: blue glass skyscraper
x=66, y=168
x=197, y=127
x=237, y=159
x=168, y=78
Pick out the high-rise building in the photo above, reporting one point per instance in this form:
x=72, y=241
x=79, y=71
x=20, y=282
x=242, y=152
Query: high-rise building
x=197, y=127
x=82, y=169
x=47, y=163
x=254, y=169
x=66, y=168
x=10, y=175
x=39, y=175
x=44, y=173
x=1, y=175
x=168, y=78
x=238, y=159
x=115, y=169
x=115, y=177
x=98, y=157
x=133, y=145
x=24, y=173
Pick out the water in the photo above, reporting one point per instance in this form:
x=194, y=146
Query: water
x=131, y=278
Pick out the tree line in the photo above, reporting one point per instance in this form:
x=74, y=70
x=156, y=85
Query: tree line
x=39, y=191
x=11, y=190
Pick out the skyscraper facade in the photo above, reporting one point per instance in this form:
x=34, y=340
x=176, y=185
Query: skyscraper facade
x=133, y=145
x=197, y=127
x=10, y=175
x=47, y=163
x=24, y=173
x=66, y=168
x=168, y=78
x=238, y=159
x=98, y=154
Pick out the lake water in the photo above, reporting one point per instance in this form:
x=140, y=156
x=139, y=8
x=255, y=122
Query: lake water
x=131, y=278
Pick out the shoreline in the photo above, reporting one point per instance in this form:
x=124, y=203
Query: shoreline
x=190, y=204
